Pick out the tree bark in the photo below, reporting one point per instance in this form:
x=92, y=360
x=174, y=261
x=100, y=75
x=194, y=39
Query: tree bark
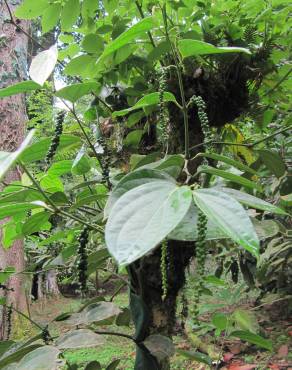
x=13, y=69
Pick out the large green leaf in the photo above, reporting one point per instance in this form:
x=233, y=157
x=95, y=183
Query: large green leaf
x=171, y=164
x=26, y=195
x=82, y=65
x=143, y=217
x=138, y=29
x=93, y=43
x=98, y=313
x=19, y=88
x=43, y=65
x=15, y=354
x=230, y=161
x=231, y=177
x=81, y=338
x=43, y=358
x=50, y=17
x=60, y=168
x=76, y=91
x=188, y=47
x=229, y=216
x=14, y=209
x=187, y=229
x=30, y=9
x=81, y=164
x=7, y=160
x=272, y=161
x=131, y=181
x=69, y=14
x=5, y=345
x=37, y=222
x=150, y=99
x=253, y=339
x=252, y=201
x=6, y=273
x=38, y=150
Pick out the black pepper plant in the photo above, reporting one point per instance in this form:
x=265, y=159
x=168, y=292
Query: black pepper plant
x=171, y=76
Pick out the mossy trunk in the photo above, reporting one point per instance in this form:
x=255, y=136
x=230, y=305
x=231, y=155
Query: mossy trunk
x=152, y=314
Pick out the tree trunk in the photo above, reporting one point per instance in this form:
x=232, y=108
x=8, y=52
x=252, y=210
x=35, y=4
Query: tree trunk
x=13, y=69
x=152, y=314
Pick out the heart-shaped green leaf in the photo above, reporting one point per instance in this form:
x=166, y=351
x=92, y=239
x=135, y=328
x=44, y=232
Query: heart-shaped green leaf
x=131, y=181
x=229, y=215
x=143, y=217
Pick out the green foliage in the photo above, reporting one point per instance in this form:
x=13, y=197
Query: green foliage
x=112, y=53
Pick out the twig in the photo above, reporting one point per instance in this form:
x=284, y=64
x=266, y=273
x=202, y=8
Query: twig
x=181, y=87
x=278, y=83
x=139, y=7
x=117, y=335
x=248, y=145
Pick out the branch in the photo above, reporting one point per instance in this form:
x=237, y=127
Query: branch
x=143, y=16
x=247, y=145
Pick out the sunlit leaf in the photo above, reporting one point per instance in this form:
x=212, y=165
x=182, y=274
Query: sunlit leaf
x=7, y=160
x=150, y=99
x=19, y=88
x=77, y=91
x=131, y=181
x=189, y=47
x=43, y=65
x=132, y=33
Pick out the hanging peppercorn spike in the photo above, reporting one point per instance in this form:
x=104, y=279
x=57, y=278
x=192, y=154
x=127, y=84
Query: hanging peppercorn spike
x=9, y=321
x=82, y=262
x=163, y=269
x=163, y=124
x=56, y=138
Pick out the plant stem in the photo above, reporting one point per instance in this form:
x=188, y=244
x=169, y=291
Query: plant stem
x=39, y=188
x=27, y=318
x=140, y=10
x=53, y=205
x=270, y=136
x=181, y=87
x=247, y=145
x=116, y=334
